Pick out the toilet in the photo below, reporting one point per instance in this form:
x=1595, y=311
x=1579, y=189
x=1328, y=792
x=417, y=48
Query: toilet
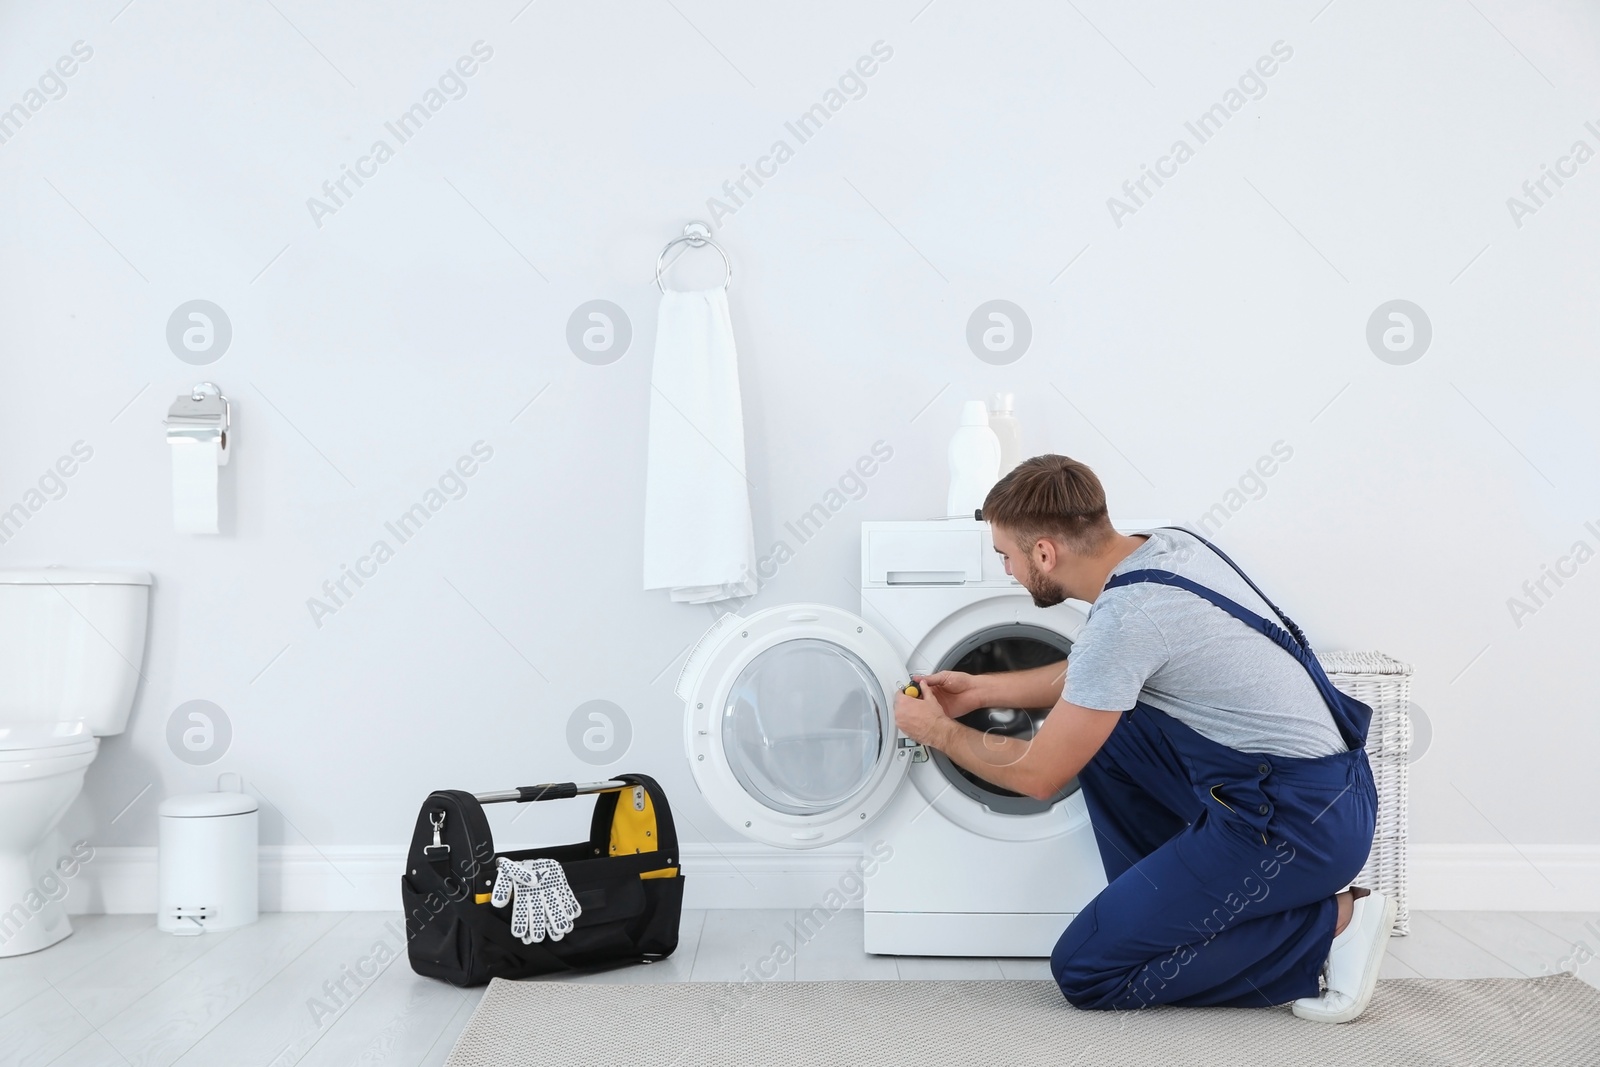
x=71, y=652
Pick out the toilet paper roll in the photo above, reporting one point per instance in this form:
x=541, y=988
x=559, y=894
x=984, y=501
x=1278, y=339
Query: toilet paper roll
x=194, y=485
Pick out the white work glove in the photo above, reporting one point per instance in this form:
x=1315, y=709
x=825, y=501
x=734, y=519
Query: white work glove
x=541, y=900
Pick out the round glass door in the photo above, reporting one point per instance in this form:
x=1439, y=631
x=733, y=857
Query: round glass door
x=789, y=723
x=804, y=726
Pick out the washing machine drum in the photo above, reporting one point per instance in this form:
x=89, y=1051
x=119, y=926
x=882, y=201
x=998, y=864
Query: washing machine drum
x=1013, y=647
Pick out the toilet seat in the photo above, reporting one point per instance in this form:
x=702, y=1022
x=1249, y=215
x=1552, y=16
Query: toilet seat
x=71, y=748
x=32, y=750
x=33, y=764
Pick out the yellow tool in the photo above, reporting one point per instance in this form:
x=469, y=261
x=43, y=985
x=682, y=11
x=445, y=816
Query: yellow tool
x=912, y=690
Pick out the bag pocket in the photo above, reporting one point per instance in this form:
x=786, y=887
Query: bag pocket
x=604, y=930
x=658, y=935
x=438, y=943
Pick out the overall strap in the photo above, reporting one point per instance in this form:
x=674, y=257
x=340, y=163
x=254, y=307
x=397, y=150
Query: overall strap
x=1354, y=733
x=1295, y=646
x=1287, y=622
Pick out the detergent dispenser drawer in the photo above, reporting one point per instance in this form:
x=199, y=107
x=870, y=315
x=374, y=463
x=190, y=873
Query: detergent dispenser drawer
x=922, y=555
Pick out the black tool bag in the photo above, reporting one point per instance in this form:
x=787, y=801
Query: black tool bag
x=625, y=878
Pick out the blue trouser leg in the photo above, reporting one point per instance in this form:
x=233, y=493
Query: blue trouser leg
x=1209, y=914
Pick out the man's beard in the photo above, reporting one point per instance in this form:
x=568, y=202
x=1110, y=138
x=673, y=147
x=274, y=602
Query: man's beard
x=1046, y=593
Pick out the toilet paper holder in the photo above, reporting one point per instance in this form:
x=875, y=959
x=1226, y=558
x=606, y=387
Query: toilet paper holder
x=204, y=415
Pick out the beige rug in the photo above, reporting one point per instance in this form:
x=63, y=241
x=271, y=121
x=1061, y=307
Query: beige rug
x=1495, y=1022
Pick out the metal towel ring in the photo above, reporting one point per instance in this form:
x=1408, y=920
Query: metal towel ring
x=695, y=234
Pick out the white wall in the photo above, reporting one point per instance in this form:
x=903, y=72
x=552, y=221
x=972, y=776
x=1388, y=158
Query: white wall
x=1225, y=315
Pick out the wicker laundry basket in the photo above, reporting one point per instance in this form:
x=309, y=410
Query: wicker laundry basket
x=1383, y=683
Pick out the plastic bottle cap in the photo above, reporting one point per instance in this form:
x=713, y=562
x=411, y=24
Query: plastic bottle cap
x=973, y=413
x=1003, y=403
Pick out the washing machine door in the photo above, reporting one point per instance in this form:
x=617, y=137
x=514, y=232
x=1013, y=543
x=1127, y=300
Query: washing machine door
x=789, y=723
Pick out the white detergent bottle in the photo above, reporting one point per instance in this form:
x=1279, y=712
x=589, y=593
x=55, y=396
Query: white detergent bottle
x=974, y=461
x=1008, y=430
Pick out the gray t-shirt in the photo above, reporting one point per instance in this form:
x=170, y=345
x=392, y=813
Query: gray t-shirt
x=1178, y=652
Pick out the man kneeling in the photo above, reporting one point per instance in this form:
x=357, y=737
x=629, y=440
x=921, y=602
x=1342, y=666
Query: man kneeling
x=1226, y=778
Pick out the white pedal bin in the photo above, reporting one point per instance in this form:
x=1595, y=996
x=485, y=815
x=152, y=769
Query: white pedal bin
x=207, y=866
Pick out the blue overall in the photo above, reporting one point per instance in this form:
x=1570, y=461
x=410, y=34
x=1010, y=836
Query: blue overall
x=1221, y=865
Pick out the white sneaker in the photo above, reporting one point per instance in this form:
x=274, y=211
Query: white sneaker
x=1354, y=960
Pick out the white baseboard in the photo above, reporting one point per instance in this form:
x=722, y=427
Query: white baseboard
x=1504, y=877
x=120, y=881
x=748, y=875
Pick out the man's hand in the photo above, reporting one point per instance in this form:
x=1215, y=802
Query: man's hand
x=957, y=693
x=923, y=720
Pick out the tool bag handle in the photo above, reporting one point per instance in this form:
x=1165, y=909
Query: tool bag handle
x=665, y=853
x=524, y=794
x=605, y=806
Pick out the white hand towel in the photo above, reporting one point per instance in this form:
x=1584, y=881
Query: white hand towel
x=697, y=535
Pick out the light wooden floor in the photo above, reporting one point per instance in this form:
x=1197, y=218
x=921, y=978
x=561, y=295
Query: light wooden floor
x=119, y=992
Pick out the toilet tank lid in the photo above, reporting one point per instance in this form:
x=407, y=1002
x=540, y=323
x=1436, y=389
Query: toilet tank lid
x=206, y=805
x=72, y=576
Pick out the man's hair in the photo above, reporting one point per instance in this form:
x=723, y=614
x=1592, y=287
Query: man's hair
x=1051, y=496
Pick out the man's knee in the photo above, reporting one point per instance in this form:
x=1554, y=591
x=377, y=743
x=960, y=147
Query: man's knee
x=1073, y=964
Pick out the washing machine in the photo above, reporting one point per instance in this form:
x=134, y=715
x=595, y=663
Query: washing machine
x=789, y=731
